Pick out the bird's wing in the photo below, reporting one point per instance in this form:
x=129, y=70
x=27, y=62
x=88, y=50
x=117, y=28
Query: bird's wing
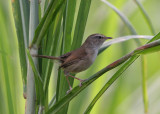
x=65, y=56
x=74, y=58
x=65, y=65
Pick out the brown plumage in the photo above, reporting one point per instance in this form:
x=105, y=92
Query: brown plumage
x=81, y=58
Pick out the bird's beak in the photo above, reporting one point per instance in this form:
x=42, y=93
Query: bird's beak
x=107, y=38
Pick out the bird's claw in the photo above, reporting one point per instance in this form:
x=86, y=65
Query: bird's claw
x=80, y=84
x=69, y=90
x=81, y=81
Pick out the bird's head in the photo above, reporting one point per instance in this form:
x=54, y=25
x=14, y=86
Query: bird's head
x=95, y=40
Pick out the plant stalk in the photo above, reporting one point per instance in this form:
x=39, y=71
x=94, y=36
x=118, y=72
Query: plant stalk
x=31, y=94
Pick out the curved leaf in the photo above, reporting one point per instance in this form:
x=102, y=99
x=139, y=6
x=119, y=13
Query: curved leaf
x=122, y=39
x=124, y=67
x=145, y=16
x=78, y=89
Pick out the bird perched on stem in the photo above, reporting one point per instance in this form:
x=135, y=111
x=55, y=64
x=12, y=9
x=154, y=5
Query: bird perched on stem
x=81, y=58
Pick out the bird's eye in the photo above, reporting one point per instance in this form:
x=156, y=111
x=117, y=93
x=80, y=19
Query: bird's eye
x=99, y=37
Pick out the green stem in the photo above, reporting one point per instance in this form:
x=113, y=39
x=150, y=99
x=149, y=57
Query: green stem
x=145, y=16
x=31, y=94
x=133, y=56
x=144, y=84
x=9, y=96
x=128, y=24
x=108, y=84
x=122, y=16
x=122, y=39
x=21, y=45
x=24, y=9
x=124, y=19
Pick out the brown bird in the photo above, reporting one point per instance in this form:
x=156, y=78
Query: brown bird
x=81, y=58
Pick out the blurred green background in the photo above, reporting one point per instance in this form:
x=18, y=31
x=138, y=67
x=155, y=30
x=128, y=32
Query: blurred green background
x=124, y=96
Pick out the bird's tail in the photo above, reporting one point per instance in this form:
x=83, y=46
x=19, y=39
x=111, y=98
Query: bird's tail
x=48, y=57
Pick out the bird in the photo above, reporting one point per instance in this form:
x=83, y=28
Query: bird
x=79, y=59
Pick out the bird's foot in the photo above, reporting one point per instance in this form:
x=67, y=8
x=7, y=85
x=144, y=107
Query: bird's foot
x=69, y=90
x=81, y=81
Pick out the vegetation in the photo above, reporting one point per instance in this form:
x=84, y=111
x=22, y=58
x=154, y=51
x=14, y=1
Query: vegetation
x=123, y=78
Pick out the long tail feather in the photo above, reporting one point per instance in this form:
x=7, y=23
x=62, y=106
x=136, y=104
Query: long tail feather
x=48, y=57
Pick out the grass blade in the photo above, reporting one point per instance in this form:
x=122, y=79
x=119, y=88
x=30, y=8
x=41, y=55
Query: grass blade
x=81, y=23
x=21, y=44
x=108, y=84
x=31, y=94
x=44, y=4
x=126, y=21
x=6, y=73
x=38, y=80
x=144, y=85
x=147, y=18
x=51, y=50
x=47, y=19
x=151, y=47
x=122, y=39
x=67, y=30
x=123, y=17
x=62, y=85
x=121, y=70
x=24, y=9
x=38, y=84
x=78, y=89
x=68, y=24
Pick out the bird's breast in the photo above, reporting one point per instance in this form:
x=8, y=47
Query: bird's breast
x=86, y=62
x=92, y=55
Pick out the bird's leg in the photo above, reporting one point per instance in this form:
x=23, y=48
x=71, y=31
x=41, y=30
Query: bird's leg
x=77, y=79
x=70, y=88
x=66, y=75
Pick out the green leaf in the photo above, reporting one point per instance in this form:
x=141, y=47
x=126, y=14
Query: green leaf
x=68, y=19
x=25, y=11
x=62, y=85
x=47, y=19
x=31, y=86
x=122, y=39
x=122, y=69
x=44, y=4
x=127, y=22
x=38, y=80
x=124, y=19
x=107, y=85
x=78, y=89
x=68, y=24
x=5, y=68
x=52, y=45
x=81, y=23
x=147, y=18
x=37, y=75
x=149, y=48
x=122, y=16
x=21, y=44
x=144, y=84
x=67, y=30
